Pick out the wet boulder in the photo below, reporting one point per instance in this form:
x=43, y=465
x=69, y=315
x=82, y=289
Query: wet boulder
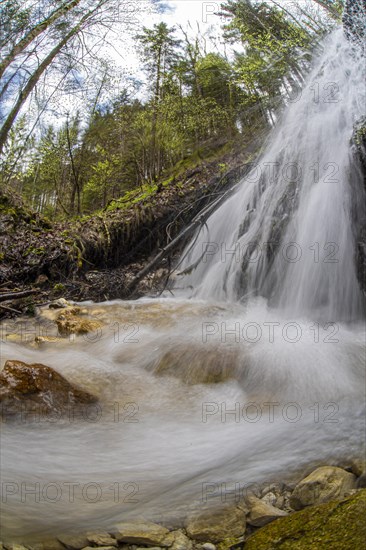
x=227, y=522
x=322, y=485
x=196, y=364
x=36, y=388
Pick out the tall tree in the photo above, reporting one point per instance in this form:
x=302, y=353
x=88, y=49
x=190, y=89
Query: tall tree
x=32, y=33
x=159, y=52
x=274, y=47
x=37, y=40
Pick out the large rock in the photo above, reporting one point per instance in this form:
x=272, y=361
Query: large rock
x=216, y=525
x=262, y=513
x=37, y=389
x=101, y=538
x=181, y=541
x=338, y=525
x=322, y=485
x=146, y=533
x=49, y=544
x=197, y=364
x=73, y=542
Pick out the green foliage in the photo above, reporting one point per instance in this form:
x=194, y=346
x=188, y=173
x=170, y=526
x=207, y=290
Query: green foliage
x=40, y=251
x=198, y=102
x=59, y=287
x=30, y=309
x=274, y=48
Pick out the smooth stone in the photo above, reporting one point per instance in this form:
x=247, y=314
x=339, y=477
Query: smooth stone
x=101, y=538
x=59, y=304
x=262, y=513
x=181, y=541
x=322, y=485
x=275, y=488
x=269, y=498
x=216, y=525
x=146, y=533
x=51, y=544
x=74, y=542
x=280, y=502
x=169, y=539
x=208, y=546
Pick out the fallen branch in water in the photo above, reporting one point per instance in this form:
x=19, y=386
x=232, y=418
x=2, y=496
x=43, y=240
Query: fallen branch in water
x=16, y=295
x=10, y=309
x=199, y=220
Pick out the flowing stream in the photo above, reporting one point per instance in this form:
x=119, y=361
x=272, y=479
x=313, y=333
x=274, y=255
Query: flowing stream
x=252, y=373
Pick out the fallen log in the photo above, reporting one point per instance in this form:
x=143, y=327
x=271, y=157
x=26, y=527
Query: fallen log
x=15, y=295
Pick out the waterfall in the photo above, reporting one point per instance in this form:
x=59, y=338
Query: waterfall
x=189, y=397
x=287, y=232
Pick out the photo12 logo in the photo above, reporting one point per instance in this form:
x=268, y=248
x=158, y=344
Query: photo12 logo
x=46, y=331
x=70, y=491
x=252, y=252
x=270, y=412
x=269, y=331
x=34, y=413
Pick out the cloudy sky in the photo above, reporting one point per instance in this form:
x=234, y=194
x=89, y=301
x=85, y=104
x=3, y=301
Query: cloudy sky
x=187, y=13
x=119, y=47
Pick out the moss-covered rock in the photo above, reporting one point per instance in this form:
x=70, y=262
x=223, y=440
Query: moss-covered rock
x=336, y=525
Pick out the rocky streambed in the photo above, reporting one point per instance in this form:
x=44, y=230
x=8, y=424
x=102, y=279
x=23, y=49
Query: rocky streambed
x=328, y=519
x=141, y=398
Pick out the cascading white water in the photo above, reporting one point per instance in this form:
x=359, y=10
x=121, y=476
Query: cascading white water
x=293, y=395
x=286, y=233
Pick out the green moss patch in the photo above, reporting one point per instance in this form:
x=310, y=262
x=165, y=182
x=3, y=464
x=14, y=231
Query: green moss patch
x=338, y=525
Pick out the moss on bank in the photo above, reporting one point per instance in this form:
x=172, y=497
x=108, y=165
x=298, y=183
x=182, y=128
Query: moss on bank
x=338, y=525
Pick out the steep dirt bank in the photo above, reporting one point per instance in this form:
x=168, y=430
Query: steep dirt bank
x=97, y=257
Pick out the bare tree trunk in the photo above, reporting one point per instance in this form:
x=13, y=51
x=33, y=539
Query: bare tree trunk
x=28, y=88
x=155, y=119
x=327, y=5
x=34, y=32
